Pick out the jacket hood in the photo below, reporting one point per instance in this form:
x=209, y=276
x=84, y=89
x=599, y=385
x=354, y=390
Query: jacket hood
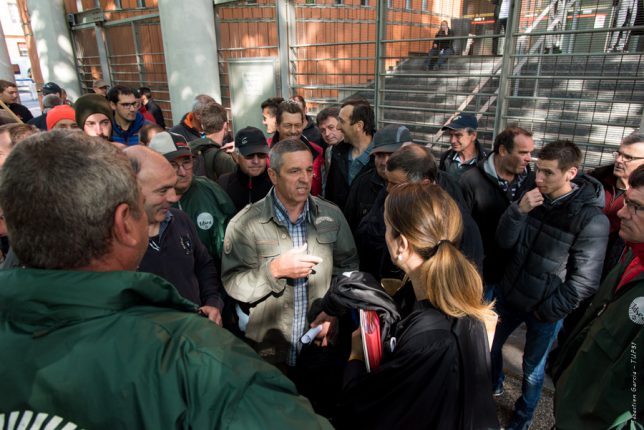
x=590, y=192
x=45, y=300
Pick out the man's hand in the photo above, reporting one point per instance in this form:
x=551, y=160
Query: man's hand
x=530, y=200
x=229, y=147
x=212, y=313
x=329, y=324
x=294, y=264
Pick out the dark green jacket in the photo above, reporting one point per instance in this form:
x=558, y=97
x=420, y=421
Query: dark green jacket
x=122, y=350
x=210, y=208
x=599, y=374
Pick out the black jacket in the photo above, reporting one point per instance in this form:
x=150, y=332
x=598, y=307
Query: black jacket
x=486, y=202
x=312, y=133
x=40, y=121
x=446, y=158
x=372, y=248
x=337, y=181
x=362, y=194
x=557, y=251
x=438, y=377
x=156, y=112
x=183, y=260
x=243, y=189
x=185, y=130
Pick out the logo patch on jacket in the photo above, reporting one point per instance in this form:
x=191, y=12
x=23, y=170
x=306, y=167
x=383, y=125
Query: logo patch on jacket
x=636, y=311
x=205, y=221
x=322, y=219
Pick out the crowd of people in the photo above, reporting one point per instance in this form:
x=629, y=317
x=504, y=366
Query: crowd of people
x=158, y=278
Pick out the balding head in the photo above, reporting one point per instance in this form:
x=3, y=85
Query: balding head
x=157, y=179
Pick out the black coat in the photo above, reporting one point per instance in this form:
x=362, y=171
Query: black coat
x=337, y=180
x=438, y=377
x=185, y=130
x=557, y=251
x=243, y=189
x=362, y=195
x=446, y=157
x=372, y=248
x=486, y=202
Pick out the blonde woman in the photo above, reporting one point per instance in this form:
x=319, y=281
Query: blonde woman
x=438, y=376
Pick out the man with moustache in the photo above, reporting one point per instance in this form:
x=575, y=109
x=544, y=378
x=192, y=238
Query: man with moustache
x=280, y=255
x=327, y=121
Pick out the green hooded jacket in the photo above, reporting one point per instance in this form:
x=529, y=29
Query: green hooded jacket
x=599, y=373
x=210, y=208
x=122, y=350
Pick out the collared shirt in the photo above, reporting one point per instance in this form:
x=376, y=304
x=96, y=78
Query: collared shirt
x=456, y=167
x=509, y=188
x=355, y=165
x=155, y=241
x=297, y=231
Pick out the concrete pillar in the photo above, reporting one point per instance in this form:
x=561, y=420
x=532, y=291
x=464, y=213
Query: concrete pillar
x=6, y=71
x=190, y=48
x=54, y=44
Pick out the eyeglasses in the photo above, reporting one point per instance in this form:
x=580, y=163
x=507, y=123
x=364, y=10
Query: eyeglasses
x=134, y=105
x=625, y=157
x=632, y=206
x=186, y=163
x=260, y=155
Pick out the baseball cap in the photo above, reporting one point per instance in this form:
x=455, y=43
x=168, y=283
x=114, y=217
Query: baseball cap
x=99, y=83
x=390, y=138
x=170, y=145
x=51, y=88
x=251, y=140
x=462, y=120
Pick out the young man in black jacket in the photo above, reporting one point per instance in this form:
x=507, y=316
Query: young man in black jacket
x=557, y=234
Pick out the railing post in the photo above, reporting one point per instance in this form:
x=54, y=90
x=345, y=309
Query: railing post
x=284, y=51
x=379, y=69
x=509, y=48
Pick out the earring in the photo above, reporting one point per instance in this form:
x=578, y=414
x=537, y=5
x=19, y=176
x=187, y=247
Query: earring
x=399, y=258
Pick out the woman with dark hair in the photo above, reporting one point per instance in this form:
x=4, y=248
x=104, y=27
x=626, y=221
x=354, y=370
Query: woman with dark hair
x=438, y=375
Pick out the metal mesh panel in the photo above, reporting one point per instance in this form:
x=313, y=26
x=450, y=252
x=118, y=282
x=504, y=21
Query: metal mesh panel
x=334, y=54
x=577, y=74
x=88, y=64
x=244, y=30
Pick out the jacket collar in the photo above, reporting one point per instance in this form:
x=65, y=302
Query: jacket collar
x=47, y=299
x=268, y=208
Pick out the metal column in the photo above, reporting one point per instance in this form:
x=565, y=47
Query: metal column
x=54, y=44
x=190, y=56
x=509, y=48
x=284, y=31
x=379, y=84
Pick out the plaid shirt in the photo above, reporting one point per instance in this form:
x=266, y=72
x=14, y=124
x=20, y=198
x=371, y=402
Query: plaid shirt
x=297, y=231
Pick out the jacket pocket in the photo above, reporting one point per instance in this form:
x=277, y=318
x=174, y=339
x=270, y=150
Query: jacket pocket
x=267, y=248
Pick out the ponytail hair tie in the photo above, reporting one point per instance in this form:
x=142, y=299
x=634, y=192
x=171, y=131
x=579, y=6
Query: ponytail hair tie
x=429, y=253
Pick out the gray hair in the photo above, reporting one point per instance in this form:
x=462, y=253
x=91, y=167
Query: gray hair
x=201, y=101
x=283, y=147
x=59, y=191
x=50, y=101
x=634, y=137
